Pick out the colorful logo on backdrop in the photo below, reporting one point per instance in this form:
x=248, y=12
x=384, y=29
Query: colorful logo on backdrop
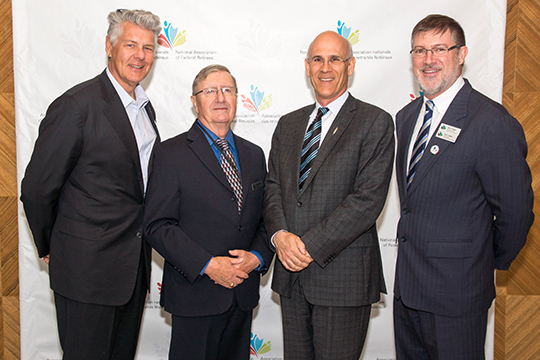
x=412, y=97
x=346, y=32
x=258, y=346
x=257, y=101
x=171, y=37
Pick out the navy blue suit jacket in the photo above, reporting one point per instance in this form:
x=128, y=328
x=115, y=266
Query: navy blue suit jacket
x=468, y=210
x=191, y=215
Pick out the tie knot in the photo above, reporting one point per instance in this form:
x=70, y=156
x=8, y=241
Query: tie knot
x=322, y=111
x=430, y=105
x=223, y=143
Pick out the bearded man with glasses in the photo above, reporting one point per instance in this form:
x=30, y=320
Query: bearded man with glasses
x=466, y=202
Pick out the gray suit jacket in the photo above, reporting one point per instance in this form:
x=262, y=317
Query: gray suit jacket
x=336, y=211
x=468, y=209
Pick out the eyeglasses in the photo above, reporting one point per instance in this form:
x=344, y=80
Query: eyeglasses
x=334, y=61
x=213, y=91
x=436, y=51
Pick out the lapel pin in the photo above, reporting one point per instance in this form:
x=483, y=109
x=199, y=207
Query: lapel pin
x=434, y=149
x=335, y=131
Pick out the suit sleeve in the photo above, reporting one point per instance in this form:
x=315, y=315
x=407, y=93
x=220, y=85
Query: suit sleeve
x=161, y=219
x=260, y=242
x=55, y=154
x=506, y=183
x=274, y=215
x=359, y=211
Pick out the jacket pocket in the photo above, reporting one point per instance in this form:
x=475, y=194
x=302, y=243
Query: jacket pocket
x=78, y=229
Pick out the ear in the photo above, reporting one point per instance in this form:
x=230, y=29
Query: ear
x=194, y=101
x=462, y=54
x=108, y=46
x=306, y=64
x=350, y=67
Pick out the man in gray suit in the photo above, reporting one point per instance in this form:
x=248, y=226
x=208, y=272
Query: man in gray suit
x=466, y=201
x=329, y=170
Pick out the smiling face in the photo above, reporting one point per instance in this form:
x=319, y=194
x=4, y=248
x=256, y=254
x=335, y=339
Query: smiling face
x=132, y=56
x=435, y=74
x=216, y=111
x=329, y=81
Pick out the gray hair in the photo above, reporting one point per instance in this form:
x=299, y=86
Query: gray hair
x=203, y=74
x=141, y=18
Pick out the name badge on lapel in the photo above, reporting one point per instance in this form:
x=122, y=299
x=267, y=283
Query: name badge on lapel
x=258, y=185
x=448, y=132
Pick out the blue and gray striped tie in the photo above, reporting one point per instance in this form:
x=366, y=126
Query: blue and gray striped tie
x=311, y=146
x=420, y=143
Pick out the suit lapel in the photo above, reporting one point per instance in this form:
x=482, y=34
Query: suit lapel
x=201, y=148
x=336, y=130
x=295, y=142
x=116, y=114
x=405, y=137
x=454, y=116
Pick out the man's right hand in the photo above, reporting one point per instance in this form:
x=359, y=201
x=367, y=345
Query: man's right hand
x=291, y=251
x=221, y=269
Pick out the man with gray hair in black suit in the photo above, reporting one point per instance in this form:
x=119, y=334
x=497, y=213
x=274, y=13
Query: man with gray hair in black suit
x=83, y=193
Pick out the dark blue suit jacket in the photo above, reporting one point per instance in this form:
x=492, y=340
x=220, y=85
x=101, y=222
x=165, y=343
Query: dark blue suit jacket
x=191, y=215
x=467, y=211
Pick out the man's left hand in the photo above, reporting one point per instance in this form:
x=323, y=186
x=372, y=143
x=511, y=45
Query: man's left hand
x=244, y=260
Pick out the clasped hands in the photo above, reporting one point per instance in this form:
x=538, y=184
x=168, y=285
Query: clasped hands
x=230, y=271
x=291, y=251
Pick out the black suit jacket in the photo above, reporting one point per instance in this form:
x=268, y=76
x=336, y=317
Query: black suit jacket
x=336, y=211
x=191, y=215
x=468, y=210
x=83, y=195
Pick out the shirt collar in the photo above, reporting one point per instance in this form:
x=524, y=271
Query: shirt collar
x=336, y=105
x=141, y=99
x=443, y=101
x=211, y=137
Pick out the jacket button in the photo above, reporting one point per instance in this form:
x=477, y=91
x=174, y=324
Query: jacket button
x=139, y=235
x=233, y=198
x=403, y=239
x=299, y=204
x=240, y=228
x=405, y=211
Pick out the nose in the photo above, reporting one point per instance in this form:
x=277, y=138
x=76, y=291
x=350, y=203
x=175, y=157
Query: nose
x=325, y=65
x=220, y=95
x=139, y=53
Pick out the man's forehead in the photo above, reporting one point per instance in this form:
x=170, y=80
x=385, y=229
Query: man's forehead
x=433, y=36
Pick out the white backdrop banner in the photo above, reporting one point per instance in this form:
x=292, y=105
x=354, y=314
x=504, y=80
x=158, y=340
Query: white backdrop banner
x=60, y=43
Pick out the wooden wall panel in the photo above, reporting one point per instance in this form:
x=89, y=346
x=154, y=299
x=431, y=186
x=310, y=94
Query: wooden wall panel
x=517, y=319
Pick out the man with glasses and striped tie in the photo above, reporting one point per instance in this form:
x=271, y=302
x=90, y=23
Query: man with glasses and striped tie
x=329, y=170
x=466, y=202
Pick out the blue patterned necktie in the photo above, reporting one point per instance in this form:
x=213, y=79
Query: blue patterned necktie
x=310, y=146
x=421, y=141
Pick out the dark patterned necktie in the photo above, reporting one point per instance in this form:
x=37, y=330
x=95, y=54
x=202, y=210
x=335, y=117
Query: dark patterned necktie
x=421, y=141
x=310, y=146
x=228, y=164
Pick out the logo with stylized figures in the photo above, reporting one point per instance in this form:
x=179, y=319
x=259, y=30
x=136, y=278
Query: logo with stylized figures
x=257, y=347
x=171, y=38
x=258, y=101
x=412, y=97
x=346, y=32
